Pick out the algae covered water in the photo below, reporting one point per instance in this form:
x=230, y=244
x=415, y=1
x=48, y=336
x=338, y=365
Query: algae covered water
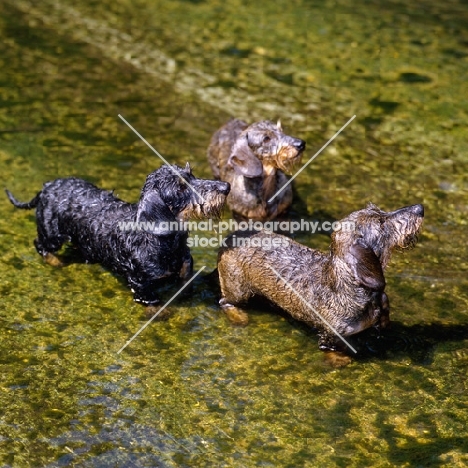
x=195, y=391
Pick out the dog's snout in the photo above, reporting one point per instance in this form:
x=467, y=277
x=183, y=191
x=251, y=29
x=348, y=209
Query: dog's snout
x=224, y=187
x=300, y=144
x=418, y=210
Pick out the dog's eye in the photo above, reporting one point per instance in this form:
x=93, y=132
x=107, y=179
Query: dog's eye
x=266, y=139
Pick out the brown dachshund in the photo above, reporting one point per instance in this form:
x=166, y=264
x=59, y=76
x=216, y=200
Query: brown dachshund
x=340, y=293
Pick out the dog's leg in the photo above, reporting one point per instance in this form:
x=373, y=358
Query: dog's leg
x=379, y=307
x=145, y=294
x=235, y=315
x=45, y=249
x=152, y=310
x=185, y=274
x=187, y=269
x=233, y=292
x=53, y=260
x=337, y=359
x=384, y=312
x=333, y=354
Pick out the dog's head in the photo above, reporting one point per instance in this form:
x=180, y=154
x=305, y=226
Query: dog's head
x=173, y=192
x=264, y=145
x=367, y=237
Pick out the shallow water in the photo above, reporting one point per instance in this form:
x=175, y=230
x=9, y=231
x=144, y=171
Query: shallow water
x=194, y=391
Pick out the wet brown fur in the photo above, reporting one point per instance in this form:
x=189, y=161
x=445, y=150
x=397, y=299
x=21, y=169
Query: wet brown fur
x=344, y=287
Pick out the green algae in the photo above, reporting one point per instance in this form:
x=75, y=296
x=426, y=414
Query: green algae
x=194, y=391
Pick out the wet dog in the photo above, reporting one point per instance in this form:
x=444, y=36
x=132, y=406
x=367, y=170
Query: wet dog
x=252, y=159
x=338, y=293
x=136, y=241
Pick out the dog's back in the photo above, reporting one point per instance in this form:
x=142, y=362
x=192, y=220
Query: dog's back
x=79, y=193
x=73, y=209
x=76, y=207
x=268, y=264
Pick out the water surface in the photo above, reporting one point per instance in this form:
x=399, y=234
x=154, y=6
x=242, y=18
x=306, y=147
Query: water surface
x=194, y=391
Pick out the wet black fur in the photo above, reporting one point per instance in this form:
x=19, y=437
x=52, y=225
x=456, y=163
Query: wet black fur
x=74, y=210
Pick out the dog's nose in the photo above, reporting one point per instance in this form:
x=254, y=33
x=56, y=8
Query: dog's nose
x=300, y=145
x=418, y=210
x=224, y=188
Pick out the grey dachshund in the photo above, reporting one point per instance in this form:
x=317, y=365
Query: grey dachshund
x=339, y=292
x=253, y=159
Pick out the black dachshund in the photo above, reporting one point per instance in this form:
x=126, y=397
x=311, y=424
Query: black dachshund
x=138, y=241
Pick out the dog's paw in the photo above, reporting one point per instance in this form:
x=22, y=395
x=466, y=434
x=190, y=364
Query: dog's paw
x=236, y=316
x=337, y=359
x=53, y=260
x=154, y=311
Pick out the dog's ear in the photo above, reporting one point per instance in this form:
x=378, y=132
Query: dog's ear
x=243, y=160
x=278, y=125
x=366, y=266
x=151, y=207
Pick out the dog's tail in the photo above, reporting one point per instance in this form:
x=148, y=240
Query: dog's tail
x=24, y=206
